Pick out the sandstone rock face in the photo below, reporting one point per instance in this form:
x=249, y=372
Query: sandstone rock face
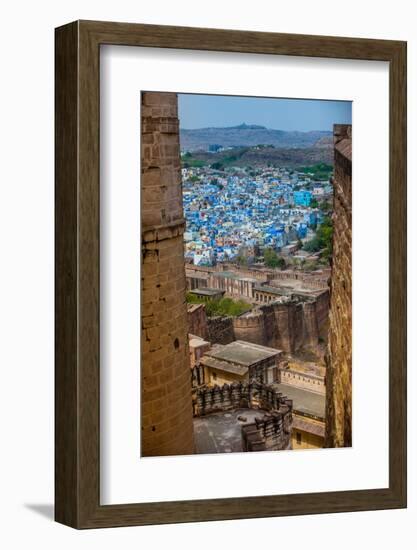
x=166, y=415
x=339, y=361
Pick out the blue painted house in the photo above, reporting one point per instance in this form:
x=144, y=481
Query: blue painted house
x=302, y=198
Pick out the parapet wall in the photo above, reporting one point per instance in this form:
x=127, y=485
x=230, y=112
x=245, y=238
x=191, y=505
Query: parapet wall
x=287, y=325
x=306, y=381
x=221, y=330
x=251, y=328
x=271, y=431
x=253, y=395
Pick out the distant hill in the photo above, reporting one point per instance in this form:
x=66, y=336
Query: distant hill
x=249, y=135
x=325, y=142
x=290, y=157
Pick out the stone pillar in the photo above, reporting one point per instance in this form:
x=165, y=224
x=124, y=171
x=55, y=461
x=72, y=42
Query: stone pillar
x=166, y=415
x=339, y=361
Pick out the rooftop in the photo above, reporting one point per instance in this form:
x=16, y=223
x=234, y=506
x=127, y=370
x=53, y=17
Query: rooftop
x=196, y=341
x=242, y=353
x=225, y=366
x=306, y=426
x=206, y=291
x=304, y=401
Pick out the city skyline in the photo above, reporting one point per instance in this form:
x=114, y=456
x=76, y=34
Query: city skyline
x=207, y=111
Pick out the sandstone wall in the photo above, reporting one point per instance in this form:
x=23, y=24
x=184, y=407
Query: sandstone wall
x=322, y=315
x=271, y=431
x=311, y=324
x=251, y=328
x=287, y=326
x=220, y=330
x=166, y=415
x=302, y=380
x=339, y=367
x=253, y=395
x=197, y=321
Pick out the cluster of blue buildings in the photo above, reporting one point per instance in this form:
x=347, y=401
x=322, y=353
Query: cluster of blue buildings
x=302, y=198
x=225, y=213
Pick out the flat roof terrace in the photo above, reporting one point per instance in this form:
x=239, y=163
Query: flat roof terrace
x=278, y=290
x=242, y=353
x=222, y=432
x=304, y=401
x=207, y=292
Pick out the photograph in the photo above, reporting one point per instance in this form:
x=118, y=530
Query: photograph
x=209, y=275
x=246, y=274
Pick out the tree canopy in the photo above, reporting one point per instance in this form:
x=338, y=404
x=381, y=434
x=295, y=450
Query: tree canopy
x=220, y=307
x=323, y=239
x=272, y=259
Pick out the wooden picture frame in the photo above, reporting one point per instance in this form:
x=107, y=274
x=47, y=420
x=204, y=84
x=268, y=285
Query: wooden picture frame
x=77, y=405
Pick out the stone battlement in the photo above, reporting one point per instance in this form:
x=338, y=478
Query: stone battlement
x=271, y=431
x=286, y=325
x=252, y=395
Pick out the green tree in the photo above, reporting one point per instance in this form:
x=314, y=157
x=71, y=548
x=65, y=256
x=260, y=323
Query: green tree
x=272, y=259
x=242, y=260
x=326, y=206
x=323, y=240
x=220, y=307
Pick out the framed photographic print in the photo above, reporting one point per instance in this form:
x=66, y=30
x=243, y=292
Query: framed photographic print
x=230, y=274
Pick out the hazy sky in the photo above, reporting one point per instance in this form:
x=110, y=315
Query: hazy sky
x=201, y=111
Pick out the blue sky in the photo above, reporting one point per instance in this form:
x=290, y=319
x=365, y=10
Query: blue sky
x=201, y=111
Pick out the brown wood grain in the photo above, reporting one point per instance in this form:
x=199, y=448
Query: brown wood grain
x=77, y=370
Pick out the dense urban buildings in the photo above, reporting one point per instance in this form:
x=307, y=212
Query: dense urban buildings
x=238, y=279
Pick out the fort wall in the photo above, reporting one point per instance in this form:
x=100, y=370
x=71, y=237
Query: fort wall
x=197, y=320
x=221, y=330
x=251, y=328
x=339, y=361
x=271, y=431
x=287, y=325
x=166, y=415
x=250, y=395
